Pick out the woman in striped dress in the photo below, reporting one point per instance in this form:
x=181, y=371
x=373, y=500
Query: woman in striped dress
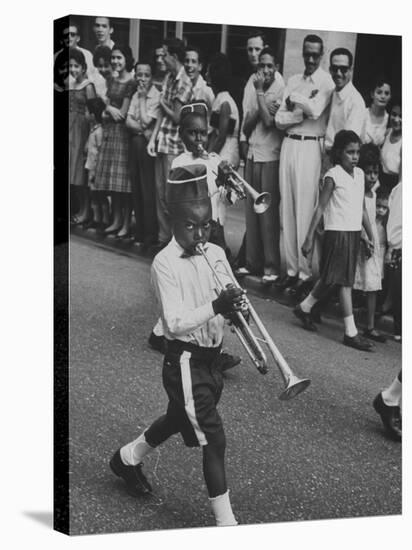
x=112, y=170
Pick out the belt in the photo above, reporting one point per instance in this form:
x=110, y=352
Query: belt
x=198, y=352
x=304, y=138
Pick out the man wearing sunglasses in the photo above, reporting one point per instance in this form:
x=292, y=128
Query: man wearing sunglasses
x=70, y=38
x=303, y=115
x=347, y=110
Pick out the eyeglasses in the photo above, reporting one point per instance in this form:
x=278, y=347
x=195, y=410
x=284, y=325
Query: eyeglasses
x=336, y=68
x=71, y=34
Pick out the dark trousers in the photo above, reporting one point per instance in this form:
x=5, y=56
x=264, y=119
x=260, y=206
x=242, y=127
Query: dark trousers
x=395, y=285
x=143, y=191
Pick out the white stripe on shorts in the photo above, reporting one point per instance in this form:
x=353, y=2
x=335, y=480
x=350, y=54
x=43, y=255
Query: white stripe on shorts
x=188, y=396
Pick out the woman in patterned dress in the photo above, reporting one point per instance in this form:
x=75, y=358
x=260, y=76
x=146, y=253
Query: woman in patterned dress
x=80, y=90
x=112, y=170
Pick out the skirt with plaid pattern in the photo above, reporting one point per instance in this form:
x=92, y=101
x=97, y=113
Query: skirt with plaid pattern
x=112, y=170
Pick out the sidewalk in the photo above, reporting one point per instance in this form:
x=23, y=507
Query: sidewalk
x=251, y=283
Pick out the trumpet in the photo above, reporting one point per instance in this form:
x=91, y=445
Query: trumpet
x=251, y=343
x=233, y=180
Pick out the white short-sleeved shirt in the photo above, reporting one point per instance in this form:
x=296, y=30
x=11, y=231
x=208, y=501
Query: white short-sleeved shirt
x=345, y=207
x=391, y=155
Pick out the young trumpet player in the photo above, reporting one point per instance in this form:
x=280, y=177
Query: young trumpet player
x=192, y=314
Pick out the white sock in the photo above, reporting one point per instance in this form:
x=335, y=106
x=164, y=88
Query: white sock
x=350, y=327
x=222, y=510
x=392, y=395
x=134, y=452
x=308, y=303
x=158, y=328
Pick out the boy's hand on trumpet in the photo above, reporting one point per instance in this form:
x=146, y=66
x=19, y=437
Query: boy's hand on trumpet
x=229, y=300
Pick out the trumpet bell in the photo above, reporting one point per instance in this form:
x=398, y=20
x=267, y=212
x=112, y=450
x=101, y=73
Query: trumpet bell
x=295, y=386
x=262, y=203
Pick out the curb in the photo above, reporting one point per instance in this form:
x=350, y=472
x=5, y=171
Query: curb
x=249, y=282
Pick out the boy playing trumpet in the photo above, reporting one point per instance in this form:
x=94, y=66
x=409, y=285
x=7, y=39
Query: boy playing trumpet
x=193, y=318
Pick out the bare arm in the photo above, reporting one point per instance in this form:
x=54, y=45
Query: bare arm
x=250, y=122
x=224, y=118
x=174, y=112
x=151, y=146
x=324, y=198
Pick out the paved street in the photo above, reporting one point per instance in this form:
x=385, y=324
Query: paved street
x=321, y=455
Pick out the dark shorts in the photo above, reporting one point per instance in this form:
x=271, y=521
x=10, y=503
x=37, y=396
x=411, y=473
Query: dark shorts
x=194, y=384
x=339, y=254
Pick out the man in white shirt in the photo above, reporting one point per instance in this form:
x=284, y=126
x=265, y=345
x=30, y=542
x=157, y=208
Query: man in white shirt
x=303, y=115
x=193, y=67
x=347, y=111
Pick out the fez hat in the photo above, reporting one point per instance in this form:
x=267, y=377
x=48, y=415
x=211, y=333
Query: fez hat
x=187, y=184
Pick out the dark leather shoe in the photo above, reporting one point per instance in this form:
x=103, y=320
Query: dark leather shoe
x=391, y=417
x=157, y=343
x=286, y=282
x=315, y=314
x=357, y=342
x=375, y=335
x=305, y=318
x=136, y=481
x=227, y=361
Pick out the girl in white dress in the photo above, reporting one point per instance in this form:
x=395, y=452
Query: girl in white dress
x=368, y=277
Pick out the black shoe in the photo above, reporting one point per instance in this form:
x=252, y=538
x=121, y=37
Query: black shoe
x=300, y=289
x=315, y=314
x=391, y=417
x=305, y=318
x=286, y=282
x=375, y=335
x=136, y=481
x=357, y=342
x=157, y=343
x=227, y=361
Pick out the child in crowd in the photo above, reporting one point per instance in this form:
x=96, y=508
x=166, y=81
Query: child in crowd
x=112, y=170
x=368, y=277
x=80, y=91
x=100, y=204
x=376, y=119
x=193, y=321
x=392, y=149
x=342, y=205
x=101, y=60
x=143, y=112
x=394, y=257
x=225, y=114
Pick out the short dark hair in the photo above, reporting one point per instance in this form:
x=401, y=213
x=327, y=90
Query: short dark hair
x=71, y=23
x=256, y=33
x=127, y=52
x=104, y=17
x=96, y=106
x=369, y=155
x=78, y=56
x=379, y=81
x=102, y=52
x=342, y=139
x=342, y=51
x=313, y=39
x=191, y=48
x=175, y=46
x=144, y=61
x=220, y=72
x=268, y=51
